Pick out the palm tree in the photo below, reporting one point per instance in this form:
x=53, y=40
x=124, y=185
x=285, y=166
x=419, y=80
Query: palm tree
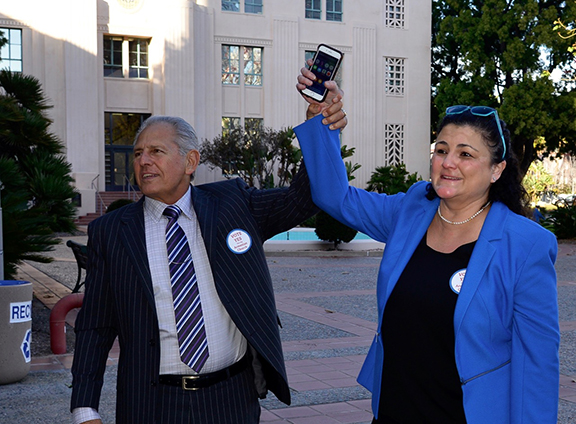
x=35, y=182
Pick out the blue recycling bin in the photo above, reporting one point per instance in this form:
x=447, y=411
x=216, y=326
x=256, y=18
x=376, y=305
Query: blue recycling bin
x=15, y=330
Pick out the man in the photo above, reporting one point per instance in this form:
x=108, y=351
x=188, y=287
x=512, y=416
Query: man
x=131, y=290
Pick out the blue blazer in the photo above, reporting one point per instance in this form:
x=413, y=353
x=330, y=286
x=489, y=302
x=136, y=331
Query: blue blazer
x=119, y=298
x=506, y=317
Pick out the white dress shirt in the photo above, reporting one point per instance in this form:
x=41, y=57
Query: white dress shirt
x=226, y=344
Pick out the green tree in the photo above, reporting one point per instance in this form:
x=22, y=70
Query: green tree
x=537, y=180
x=500, y=53
x=263, y=157
x=568, y=32
x=36, y=185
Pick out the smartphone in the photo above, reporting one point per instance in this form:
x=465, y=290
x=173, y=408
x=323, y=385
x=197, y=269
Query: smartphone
x=325, y=65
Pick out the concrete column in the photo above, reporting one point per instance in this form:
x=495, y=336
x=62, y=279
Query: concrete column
x=284, y=69
x=363, y=102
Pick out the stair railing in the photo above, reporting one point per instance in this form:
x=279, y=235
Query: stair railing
x=101, y=206
x=131, y=189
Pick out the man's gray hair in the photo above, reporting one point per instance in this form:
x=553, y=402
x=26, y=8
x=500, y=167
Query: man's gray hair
x=186, y=138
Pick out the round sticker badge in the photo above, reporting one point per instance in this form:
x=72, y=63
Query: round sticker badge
x=239, y=241
x=456, y=280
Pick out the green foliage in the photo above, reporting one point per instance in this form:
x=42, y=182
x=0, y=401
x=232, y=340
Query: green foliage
x=392, y=179
x=262, y=157
x=117, y=204
x=309, y=223
x=329, y=228
x=537, y=180
x=561, y=221
x=36, y=186
x=490, y=53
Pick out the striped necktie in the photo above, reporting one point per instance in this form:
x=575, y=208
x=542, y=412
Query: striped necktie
x=187, y=306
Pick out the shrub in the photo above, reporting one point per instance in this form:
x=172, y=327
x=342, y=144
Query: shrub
x=562, y=222
x=117, y=204
x=330, y=229
x=391, y=179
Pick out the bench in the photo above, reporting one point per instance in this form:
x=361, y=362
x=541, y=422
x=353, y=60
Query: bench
x=81, y=255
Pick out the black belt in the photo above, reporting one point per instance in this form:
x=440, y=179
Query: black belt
x=196, y=382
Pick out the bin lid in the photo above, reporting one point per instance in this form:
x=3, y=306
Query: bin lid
x=12, y=282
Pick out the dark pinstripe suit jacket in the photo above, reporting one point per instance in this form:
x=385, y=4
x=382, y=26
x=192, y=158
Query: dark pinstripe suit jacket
x=119, y=299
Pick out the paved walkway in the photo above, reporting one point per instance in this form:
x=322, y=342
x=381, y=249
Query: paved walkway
x=327, y=308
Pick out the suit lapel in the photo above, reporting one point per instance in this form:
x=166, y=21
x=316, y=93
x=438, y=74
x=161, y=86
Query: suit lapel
x=206, y=208
x=480, y=260
x=133, y=238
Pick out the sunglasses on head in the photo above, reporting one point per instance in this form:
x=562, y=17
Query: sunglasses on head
x=479, y=111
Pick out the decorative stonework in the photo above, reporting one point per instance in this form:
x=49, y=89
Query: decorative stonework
x=394, y=76
x=244, y=41
x=395, y=14
x=394, y=139
x=13, y=23
x=131, y=5
x=312, y=47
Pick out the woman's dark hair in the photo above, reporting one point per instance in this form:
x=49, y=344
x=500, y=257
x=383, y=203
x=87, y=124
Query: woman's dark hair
x=508, y=189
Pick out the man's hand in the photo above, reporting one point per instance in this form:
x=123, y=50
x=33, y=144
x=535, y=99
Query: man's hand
x=331, y=107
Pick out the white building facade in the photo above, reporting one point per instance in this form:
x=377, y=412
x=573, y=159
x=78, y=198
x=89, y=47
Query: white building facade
x=106, y=65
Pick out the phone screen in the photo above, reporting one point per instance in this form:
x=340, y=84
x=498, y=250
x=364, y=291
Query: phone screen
x=324, y=67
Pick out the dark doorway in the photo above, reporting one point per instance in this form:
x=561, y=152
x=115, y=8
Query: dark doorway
x=119, y=132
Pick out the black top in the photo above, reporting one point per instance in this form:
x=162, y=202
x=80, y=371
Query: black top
x=420, y=383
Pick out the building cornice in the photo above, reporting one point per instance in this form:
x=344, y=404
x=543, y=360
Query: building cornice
x=259, y=42
x=13, y=23
x=312, y=46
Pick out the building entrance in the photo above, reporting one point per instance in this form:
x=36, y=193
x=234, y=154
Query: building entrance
x=119, y=130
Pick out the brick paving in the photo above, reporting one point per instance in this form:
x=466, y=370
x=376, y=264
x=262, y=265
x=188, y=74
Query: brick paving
x=324, y=356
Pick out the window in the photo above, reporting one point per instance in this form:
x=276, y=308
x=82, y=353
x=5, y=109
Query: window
x=11, y=52
x=231, y=6
x=250, y=6
x=394, y=83
x=253, y=6
x=252, y=66
x=113, y=57
x=394, y=139
x=245, y=68
x=229, y=124
x=252, y=125
x=309, y=54
x=334, y=10
x=313, y=9
x=230, y=65
x=125, y=57
x=138, y=58
x=394, y=14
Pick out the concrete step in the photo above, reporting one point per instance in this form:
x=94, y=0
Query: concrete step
x=106, y=197
x=86, y=219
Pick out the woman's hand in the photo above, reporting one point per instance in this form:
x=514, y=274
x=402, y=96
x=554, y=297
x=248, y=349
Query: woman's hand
x=330, y=108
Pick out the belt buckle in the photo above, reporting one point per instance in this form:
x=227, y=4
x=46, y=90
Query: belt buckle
x=190, y=379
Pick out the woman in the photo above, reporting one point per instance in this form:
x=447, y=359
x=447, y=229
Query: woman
x=467, y=305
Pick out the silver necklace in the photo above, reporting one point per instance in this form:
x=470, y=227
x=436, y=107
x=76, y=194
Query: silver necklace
x=466, y=220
